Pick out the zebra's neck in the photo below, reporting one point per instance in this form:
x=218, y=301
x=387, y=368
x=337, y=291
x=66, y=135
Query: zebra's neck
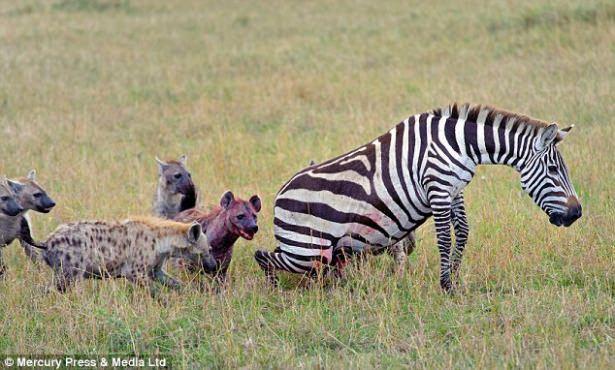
x=503, y=141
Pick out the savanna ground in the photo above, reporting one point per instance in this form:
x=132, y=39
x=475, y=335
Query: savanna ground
x=91, y=91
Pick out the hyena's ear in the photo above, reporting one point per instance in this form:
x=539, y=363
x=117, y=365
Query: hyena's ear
x=227, y=199
x=183, y=159
x=255, y=201
x=561, y=134
x=194, y=232
x=161, y=164
x=17, y=187
x=547, y=136
x=31, y=175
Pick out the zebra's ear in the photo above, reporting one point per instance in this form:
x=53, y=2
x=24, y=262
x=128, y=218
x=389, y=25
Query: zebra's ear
x=547, y=136
x=561, y=135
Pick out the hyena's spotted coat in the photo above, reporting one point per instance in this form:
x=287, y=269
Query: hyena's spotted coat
x=135, y=249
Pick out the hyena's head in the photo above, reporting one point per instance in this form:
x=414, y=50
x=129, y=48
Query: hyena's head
x=544, y=176
x=9, y=204
x=32, y=195
x=174, y=176
x=240, y=215
x=198, y=244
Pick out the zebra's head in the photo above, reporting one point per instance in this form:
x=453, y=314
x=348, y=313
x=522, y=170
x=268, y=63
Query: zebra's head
x=544, y=176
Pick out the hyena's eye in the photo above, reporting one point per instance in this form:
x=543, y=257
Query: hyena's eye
x=37, y=195
x=240, y=217
x=4, y=198
x=177, y=175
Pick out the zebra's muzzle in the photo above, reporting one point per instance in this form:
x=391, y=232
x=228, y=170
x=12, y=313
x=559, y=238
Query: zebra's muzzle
x=566, y=219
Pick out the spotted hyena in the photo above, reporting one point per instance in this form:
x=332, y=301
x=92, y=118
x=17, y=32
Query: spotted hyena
x=31, y=196
x=135, y=249
x=223, y=225
x=10, y=216
x=176, y=191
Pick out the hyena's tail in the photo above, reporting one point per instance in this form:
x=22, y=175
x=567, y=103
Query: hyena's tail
x=26, y=235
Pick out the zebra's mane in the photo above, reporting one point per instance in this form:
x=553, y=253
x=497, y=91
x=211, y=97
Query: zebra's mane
x=472, y=112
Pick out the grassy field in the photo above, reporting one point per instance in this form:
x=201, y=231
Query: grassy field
x=91, y=91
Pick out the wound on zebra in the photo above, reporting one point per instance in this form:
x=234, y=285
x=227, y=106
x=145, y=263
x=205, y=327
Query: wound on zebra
x=223, y=225
x=372, y=197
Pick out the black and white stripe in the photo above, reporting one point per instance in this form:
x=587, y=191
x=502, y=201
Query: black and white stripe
x=378, y=194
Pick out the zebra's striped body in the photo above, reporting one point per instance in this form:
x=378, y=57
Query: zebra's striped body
x=374, y=196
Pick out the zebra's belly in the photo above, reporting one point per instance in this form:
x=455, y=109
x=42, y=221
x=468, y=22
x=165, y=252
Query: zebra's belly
x=365, y=232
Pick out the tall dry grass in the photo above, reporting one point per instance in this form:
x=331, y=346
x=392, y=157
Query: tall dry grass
x=91, y=91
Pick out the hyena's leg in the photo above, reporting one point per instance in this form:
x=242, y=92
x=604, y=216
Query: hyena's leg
x=160, y=276
x=31, y=252
x=64, y=279
x=459, y=220
x=2, y=265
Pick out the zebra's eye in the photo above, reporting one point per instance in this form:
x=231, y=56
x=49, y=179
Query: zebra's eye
x=552, y=169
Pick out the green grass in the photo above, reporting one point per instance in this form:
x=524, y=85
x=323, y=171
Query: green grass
x=91, y=91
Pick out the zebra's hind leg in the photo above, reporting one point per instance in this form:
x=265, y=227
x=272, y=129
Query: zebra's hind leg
x=401, y=250
x=268, y=262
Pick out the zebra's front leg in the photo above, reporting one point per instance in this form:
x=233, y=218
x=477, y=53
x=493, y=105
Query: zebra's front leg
x=441, y=209
x=459, y=220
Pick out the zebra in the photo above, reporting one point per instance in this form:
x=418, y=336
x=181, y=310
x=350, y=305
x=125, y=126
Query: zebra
x=370, y=198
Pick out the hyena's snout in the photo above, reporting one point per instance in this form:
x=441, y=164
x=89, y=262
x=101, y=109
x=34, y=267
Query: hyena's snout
x=45, y=204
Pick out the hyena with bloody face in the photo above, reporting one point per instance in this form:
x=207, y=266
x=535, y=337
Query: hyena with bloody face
x=176, y=191
x=10, y=211
x=223, y=225
x=135, y=249
x=31, y=196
